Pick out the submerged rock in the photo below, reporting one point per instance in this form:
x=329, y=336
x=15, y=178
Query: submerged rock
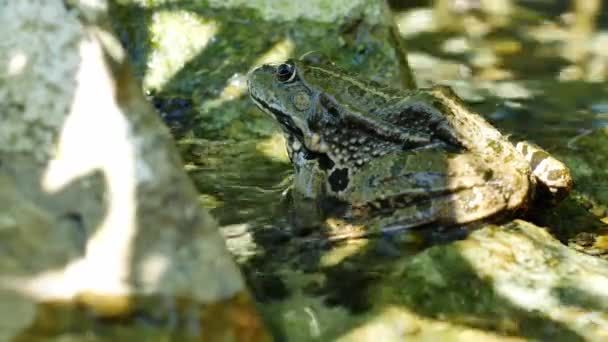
x=509, y=282
x=97, y=218
x=514, y=279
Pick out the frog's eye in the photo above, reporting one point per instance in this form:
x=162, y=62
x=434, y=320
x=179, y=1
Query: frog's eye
x=286, y=73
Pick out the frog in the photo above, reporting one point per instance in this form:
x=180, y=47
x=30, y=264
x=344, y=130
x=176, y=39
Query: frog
x=393, y=159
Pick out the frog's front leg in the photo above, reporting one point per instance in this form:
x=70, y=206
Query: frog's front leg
x=308, y=176
x=306, y=190
x=553, y=176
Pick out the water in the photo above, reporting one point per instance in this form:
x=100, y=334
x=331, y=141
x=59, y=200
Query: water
x=519, y=73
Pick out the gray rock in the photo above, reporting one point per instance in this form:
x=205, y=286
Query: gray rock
x=96, y=214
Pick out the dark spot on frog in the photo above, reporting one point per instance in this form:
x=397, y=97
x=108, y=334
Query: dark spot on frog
x=338, y=180
x=325, y=163
x=333, y=112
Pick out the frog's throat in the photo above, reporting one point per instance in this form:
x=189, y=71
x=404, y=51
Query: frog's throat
x=311, y=141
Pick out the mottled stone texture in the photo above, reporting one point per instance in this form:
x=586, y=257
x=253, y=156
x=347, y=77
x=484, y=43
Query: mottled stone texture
x=96, y=215
x=510, y=282
x=514, y=279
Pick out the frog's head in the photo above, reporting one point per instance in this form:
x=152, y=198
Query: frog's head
x=306, y=96
x=282, y=91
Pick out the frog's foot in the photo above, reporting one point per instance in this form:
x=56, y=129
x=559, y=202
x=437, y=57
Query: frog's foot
x=458, y=208
x=553, y=177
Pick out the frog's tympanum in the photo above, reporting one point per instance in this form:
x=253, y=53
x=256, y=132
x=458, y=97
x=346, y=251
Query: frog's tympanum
x=398, y=159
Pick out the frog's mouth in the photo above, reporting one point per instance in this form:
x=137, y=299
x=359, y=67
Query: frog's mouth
x=286, y=122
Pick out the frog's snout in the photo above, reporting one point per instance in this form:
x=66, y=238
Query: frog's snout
x=260, y=81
